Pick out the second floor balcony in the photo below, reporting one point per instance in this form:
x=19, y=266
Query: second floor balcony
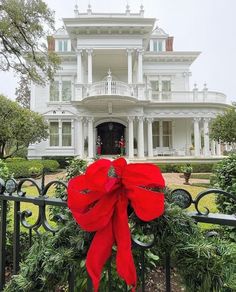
x=139, y=92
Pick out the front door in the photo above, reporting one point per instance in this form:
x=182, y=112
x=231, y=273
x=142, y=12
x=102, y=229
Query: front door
x=110, y=134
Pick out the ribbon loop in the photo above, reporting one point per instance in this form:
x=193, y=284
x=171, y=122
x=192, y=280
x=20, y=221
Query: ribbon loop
x=103, y=209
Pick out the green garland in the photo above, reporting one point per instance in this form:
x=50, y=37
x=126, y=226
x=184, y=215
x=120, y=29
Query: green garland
x=204, y=264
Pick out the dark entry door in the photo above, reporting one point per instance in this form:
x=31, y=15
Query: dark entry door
x=110, y=134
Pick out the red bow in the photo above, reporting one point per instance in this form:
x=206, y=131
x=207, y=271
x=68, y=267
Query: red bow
x=99, y=203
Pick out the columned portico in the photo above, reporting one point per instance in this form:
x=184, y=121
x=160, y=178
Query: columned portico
x=90, y=138
x=197, y=142
x=140, y=137
x=206, y=137
x=150, y=139
x=90, y=66
x=131, y=136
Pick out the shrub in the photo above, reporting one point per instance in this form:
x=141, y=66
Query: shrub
x=50, y=165
x=62, y=160
x=26, y=168
x=225, y=179
x=4, y=171
x=198, y=167
x=22, y=168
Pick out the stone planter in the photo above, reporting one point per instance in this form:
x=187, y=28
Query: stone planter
x=187, y=177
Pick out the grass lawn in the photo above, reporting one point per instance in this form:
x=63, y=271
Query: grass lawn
x=32, y=192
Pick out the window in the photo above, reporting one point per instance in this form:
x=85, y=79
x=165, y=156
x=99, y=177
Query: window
x=155, y=85
x=54, y=91
x=157, y=45
x=66, y=90
x=160, y=46
x=63, y=45
x=66, y=134
x=167, y=133
x=155, y=88
x=156, y=134
x=166, y=88
x=54, y=133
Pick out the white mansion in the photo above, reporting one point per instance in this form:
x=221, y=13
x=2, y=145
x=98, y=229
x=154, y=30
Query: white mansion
x=119, y=77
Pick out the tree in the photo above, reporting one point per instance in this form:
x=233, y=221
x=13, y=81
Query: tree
x=23, y=92
x=223, y=128
x=24, y=27
x=19, y=127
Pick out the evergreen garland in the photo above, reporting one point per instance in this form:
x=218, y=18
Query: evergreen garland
x=204, y=264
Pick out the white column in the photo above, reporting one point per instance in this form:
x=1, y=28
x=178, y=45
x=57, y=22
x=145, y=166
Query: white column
x=150, y=138
x=90, y=66
x=79, y=66
x=130, y=69
x=213, y=148
x=73, y=133
x=80, y=138
x=90, y=138
x=197, y=137
x=218, y=149
x=60, y=132
x=140, y=137
x=131, y=137
x=161, y=133
x=140, y=66
x=206, y=137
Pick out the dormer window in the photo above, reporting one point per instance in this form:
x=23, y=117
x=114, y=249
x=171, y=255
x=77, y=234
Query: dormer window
x=157, y=45
x=62, y=45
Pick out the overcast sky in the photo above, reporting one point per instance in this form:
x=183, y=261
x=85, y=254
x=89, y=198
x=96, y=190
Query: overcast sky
x=208, y=26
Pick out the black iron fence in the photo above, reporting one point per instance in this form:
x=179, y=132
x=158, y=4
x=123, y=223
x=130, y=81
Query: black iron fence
x=12, y=191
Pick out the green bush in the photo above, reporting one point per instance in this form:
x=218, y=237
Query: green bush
x=198, y=167
x=4, y=171
x=50, y=165
x=26, y=168
x=225, y=179
x=22, y=168
x=62, y=160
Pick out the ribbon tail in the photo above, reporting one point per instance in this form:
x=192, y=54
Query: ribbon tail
x=124, y=258
x=99, y=252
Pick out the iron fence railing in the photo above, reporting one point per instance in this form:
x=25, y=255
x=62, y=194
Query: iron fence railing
x=12, y=191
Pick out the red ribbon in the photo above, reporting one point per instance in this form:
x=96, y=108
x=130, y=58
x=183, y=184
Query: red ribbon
x=99, y=204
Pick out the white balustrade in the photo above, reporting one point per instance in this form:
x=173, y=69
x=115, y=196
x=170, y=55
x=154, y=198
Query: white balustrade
x=110, y=88
x=188, y=96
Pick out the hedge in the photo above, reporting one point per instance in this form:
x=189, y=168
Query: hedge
x=27, y=168
x=197, y=167
x=62, y=160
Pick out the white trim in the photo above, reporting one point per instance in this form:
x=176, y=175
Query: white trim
x=113, y=120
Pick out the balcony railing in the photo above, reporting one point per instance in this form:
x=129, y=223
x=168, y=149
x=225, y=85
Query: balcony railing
x=187, y=96
x=110, y=88
x=138, y=91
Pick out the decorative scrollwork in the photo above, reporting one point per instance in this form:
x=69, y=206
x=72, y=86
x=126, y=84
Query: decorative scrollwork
x=182, y=198
x=206, y=193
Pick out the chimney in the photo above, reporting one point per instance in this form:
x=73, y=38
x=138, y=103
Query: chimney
x=169, y=44
x=51, y=43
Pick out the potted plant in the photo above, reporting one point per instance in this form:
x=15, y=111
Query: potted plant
x=187, y=170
